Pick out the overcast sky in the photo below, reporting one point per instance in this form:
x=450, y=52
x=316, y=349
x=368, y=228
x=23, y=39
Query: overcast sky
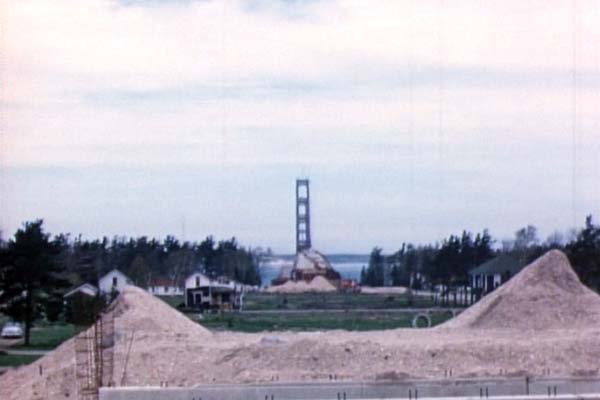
x=413, y=119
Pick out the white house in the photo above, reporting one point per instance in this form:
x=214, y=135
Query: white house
x=197, y=279
x=204, y=293
x=85, y=289
x=162, y=286
x=114, y=280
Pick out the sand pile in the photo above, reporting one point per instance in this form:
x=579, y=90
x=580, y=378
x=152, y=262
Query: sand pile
x=143, y=324
x=317, y=284
x=320, y=284
x=406, y=353
x=137, y=310
x=547, y=294
x=56, y=381
x=151, y=338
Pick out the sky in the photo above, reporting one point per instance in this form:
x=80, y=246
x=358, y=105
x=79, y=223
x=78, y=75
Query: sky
x=412, y=119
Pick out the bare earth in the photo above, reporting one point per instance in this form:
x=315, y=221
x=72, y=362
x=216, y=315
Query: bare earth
x=542, y=319
x=317, y=284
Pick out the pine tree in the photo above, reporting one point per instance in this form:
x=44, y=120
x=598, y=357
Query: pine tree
x=31, y=283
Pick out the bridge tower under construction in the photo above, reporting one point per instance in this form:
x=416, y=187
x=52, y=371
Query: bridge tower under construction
x=302, y=215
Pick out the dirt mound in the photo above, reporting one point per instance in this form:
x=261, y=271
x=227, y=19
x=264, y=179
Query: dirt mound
x=547, y=294
x=137, y=310
x=50, y=377
x=143, y=325
x=322, y=285
x=317, y=284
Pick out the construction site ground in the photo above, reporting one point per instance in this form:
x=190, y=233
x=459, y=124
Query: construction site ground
x=542, y=323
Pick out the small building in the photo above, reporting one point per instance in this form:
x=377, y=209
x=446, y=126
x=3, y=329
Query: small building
x=493, y=273
x=114, y=281
x=86, y=289
x=82, y=304
x=163, y=286
x=203, y=293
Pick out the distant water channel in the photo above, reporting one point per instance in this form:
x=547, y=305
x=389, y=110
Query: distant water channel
x=348, y=265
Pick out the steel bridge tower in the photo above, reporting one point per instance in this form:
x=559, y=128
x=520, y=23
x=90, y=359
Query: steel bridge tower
x=302, y=215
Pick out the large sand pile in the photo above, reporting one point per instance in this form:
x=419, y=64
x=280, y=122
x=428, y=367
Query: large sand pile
x=141, y=320
x=137, y=310
x=317, y=284
x=546, y=294
x=56, y=381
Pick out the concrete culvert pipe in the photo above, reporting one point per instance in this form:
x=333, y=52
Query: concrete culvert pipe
x=421, y=321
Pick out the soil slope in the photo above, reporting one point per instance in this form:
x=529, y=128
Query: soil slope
x=138, y=315
x=317, y=284
x=546, y=294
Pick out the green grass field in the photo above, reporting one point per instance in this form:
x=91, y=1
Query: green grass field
x=329, y=301
x=352, y=321
x=303, y=317
x=9, y=360
x=50, y=336
x=322, y=301
x=173, y=301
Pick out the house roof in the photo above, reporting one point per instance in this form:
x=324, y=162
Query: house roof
x=499, y=265
x=162, y=281
x=114, y=270
x=222, y=281
x=86, y=288
x=197, y=273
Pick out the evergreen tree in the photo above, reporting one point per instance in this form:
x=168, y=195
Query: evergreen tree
x=374, y=274
x=31, y=283
x=584, y=254
x=139, y=271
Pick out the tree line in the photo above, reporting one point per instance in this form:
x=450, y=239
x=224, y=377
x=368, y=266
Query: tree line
x=36, y=269
x=143, y=259
x=449, y=262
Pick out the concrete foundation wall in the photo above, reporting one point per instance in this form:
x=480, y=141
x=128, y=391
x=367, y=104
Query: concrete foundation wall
x=518, y=388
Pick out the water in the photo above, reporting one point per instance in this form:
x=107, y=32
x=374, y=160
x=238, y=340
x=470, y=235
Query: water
x=349, y=266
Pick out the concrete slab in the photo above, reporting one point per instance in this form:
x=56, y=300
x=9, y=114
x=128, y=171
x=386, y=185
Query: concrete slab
x=509, y=388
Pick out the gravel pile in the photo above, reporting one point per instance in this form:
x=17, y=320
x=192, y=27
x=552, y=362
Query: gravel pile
x=143, y=324
x=547, y=294
x=137, y=310
x=317, y=284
